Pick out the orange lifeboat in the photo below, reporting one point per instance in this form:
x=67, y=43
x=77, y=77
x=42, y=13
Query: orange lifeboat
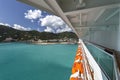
x=79, y=52
x=78, y=57
x=78, y=65
x=74, y=78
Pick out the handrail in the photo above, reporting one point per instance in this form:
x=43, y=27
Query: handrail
x=114, y=61
x=104, y=72
x=91, y=70
x=96, y=44
x=88, y=66
x=81, y=68
x=97, y=71
x=113, y=52
x=117, y=59
x=100, y=49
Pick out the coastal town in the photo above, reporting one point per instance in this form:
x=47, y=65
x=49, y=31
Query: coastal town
x=8, y=34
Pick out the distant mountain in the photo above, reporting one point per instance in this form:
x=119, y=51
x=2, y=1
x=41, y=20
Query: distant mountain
x=8, y=32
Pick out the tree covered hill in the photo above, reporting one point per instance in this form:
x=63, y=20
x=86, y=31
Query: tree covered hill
x=18, y=35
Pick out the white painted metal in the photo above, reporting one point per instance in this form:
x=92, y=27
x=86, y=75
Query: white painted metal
x=111, y=15
x=93, y=63
x=80, y=19
x=54, y=5
x=95, y=13
x=100, y=14
x=41, y=4
x=119, y=33
x=92, y=9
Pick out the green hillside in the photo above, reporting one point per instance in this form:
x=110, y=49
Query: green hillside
x=17, y=35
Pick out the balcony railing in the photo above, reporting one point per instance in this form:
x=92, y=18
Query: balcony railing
x=104, y=60
x=85, y=67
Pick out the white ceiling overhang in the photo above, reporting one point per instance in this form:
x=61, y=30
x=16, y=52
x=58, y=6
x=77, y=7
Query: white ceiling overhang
x=81, y=15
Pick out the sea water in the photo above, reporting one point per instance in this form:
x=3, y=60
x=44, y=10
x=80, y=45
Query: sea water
x=21, y=61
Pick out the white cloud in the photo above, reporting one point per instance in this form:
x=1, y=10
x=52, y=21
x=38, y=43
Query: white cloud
x=48, y=29
x=16, y=26
x=33, y=14
x=5, y=24
x=66, y=28
x=19, y=27
x=54, y=24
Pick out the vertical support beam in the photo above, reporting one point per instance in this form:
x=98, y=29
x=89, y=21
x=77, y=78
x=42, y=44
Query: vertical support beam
x=119, y=32
x=80, y=19
x=80, y=1
x=89, y=34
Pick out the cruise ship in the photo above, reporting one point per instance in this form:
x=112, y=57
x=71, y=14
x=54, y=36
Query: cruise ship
x=97, y=24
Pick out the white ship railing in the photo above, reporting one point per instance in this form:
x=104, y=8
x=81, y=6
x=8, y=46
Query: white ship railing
x=91, y=70
x=96, y=69
x=114, y=69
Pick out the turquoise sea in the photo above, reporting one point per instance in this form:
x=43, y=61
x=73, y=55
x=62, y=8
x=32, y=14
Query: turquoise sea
x=21, y=61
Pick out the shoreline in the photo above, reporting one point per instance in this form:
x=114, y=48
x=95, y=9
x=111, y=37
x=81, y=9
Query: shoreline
x=41, y=43
x=48, y=43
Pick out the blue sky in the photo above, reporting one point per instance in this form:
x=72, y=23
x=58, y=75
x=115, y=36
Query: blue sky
x=24, y=17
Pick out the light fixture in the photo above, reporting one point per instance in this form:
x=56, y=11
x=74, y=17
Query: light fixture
x=79, y=4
